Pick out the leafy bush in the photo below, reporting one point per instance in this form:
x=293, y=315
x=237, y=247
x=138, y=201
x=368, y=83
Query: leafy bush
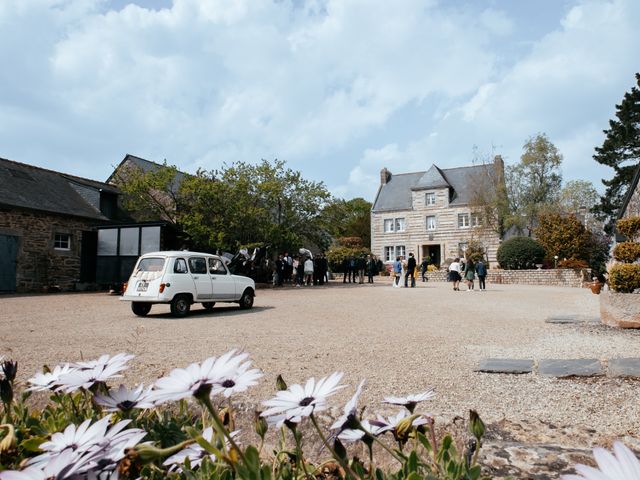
x=337, y=255
x=352, y=242
x=432, y=268
x=120, y=433
x=474, y=251
x=520, y=253
x=624, y=277
x=573, y=263
x=564, y=236
x=629, y=227
x=627, y=252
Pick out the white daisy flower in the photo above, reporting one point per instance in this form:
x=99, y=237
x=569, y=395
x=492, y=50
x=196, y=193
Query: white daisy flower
x=411, y=401
x=297, y=401
x=49, y=380
x=197, y=379
x=349, y=411
x=237, y=380
x=373, y=428
x=195, y=453
x=623, y=466
x=88, y=373
x=65, y=465
x=108, y=444
x=124, y=399
x=394, y=420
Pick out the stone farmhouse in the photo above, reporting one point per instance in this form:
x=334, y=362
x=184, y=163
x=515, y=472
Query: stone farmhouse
x=47, y=221
x=434, y=213
x=62, y=232
x=631, y=203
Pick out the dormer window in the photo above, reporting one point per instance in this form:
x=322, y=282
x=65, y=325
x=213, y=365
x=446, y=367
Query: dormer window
x=430, y=199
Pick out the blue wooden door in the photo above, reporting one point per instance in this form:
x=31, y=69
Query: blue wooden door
x=8, y=256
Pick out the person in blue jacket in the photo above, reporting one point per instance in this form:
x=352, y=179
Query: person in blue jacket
x=481, y=272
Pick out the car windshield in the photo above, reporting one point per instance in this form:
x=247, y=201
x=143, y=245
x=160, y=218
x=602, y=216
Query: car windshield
x=151, y=264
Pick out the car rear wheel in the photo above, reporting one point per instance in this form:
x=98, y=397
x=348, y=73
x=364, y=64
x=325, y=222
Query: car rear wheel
x=141, y=308
x=180, y=305
x=208, y=305
x=246, y=301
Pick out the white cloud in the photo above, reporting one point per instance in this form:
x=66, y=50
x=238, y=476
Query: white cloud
x=339, y=88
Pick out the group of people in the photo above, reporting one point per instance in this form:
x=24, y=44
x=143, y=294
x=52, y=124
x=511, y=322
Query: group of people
x=303, y=269
x=405, y=269
x=355, y=268
x=460, y=269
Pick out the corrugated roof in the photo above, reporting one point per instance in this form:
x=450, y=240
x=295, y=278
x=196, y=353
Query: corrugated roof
x=36, y=188
x=396, y=193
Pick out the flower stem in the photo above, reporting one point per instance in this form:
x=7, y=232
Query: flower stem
x=391, y=452
x=340, y=460
x=299, y=457
x=219, y=426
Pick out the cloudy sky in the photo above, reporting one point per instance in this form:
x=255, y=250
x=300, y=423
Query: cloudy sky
x=337, y=88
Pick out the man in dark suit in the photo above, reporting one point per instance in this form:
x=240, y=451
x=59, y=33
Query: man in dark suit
x=411, y=271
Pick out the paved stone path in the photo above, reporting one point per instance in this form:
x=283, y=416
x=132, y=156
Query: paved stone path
x=562, y=368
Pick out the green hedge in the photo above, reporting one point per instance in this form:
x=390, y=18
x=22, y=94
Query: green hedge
x=519, y=253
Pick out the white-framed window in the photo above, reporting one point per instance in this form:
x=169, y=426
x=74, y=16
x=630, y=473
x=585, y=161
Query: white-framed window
x=476, y=220
x=462, y=247
x=62, y=241
x=430, y=199
x=390, y=253
x=431, y=222
x=463, y=220
x=394, y=225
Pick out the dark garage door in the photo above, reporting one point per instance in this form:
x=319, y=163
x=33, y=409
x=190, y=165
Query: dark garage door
x=8, y=255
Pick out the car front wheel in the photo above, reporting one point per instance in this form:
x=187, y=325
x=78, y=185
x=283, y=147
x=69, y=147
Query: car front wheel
x=246, y=301
x=180, y=306
x=140, y=308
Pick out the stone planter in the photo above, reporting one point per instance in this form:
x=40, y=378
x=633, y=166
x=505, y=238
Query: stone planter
x=620, y=310
x=595, y=287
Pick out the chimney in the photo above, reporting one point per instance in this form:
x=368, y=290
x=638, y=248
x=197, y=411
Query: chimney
x=385, y=176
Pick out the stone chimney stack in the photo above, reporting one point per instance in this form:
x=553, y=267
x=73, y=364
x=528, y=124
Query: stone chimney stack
x=499, y=163
x=385, y=176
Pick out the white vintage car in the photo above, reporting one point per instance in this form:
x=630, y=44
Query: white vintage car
x=182, y=278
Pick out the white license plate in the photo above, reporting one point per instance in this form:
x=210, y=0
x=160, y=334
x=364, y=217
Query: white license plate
x=142, y=286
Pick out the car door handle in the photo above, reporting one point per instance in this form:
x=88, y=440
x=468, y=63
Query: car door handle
x=196, y=278
x=213, y=278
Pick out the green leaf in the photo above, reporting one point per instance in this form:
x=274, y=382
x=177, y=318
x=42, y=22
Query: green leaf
x=33, y=444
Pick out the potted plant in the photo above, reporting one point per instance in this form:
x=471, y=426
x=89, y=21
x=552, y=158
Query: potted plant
x=620, y=307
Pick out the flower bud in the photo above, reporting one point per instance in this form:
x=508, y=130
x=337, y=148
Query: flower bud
x=6, y=391
x=280, y=383
x=476, y=425
x=10, y=369
x=260, y=424
x=405, y=426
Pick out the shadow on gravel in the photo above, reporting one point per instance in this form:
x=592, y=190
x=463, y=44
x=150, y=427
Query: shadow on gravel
x=217, y=312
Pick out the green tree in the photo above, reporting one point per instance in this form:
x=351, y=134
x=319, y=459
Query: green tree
x=348, y=218
x=577, y=195
x=533, y=184
x=238, y=205
x=620, y=151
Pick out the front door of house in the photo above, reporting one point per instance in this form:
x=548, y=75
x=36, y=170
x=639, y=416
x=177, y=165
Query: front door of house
x=8, y=260
x=433, y=253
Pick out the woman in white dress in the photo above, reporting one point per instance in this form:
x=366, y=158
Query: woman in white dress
x=403, y=274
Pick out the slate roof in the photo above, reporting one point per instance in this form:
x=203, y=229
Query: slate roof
x=146, y=166
x=396, y=193
x=35, y=188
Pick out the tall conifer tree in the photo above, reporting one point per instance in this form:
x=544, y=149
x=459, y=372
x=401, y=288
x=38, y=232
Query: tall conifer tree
x=621, y=151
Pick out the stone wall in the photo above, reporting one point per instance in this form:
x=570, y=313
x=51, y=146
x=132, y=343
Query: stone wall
x=39, y=265
x=562, y=277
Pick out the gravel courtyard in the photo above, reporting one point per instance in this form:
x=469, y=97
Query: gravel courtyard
x=401, y=340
